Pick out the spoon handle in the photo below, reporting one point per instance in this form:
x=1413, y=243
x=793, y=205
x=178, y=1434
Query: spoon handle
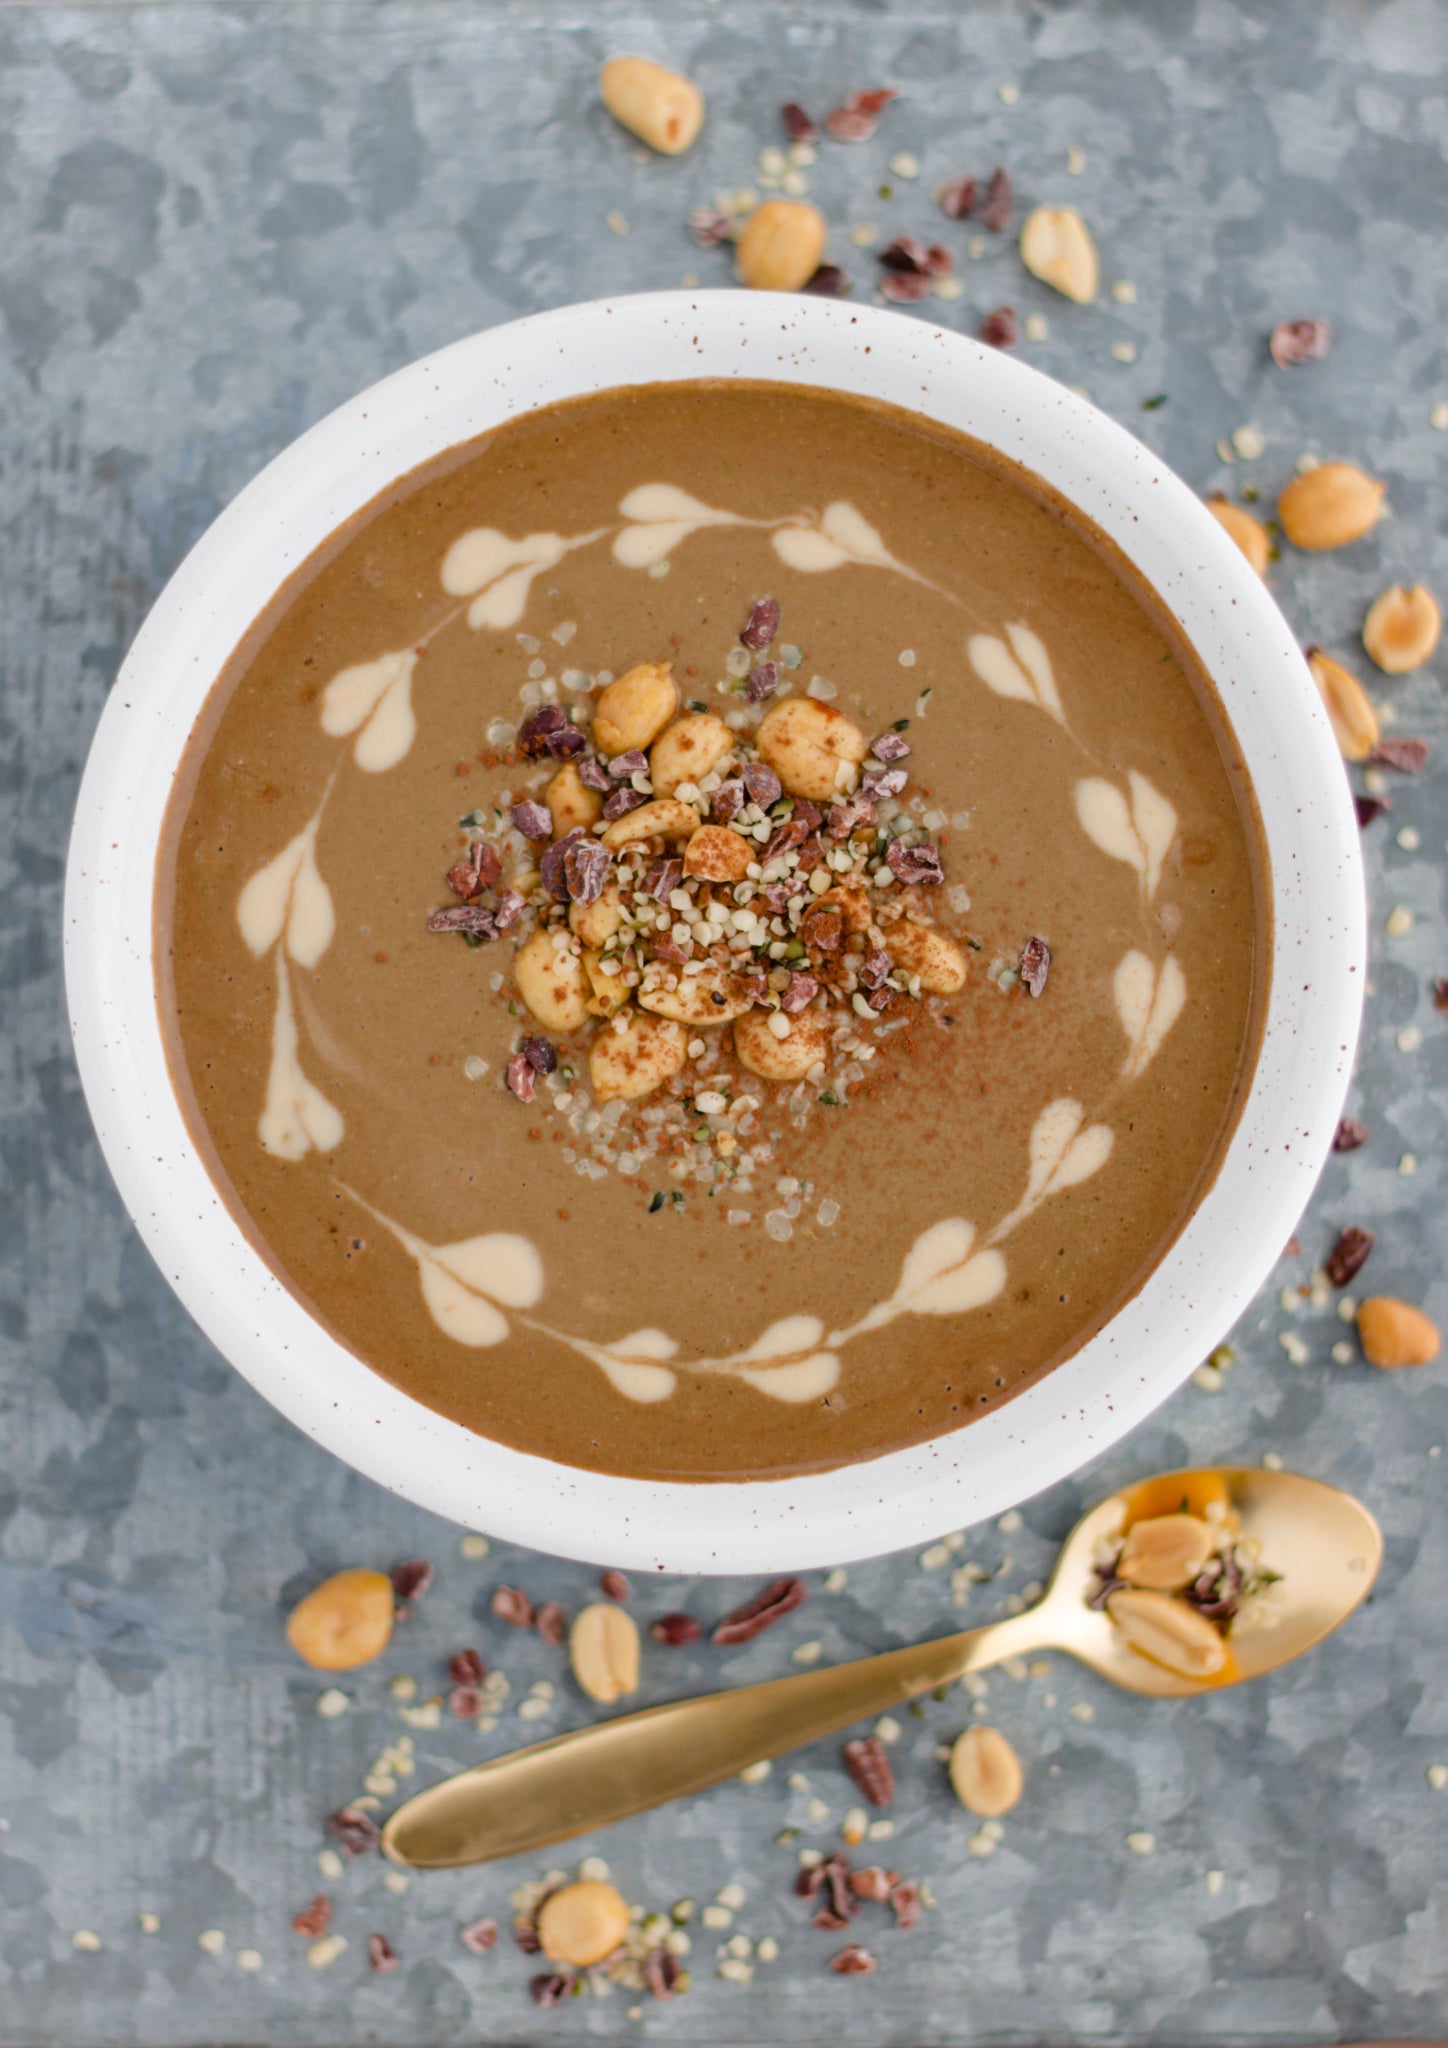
x=598, y=1775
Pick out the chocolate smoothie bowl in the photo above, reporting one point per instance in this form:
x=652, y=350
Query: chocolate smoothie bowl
x=735, y=892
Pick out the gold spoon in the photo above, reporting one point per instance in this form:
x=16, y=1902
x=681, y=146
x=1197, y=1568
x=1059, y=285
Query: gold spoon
x=1326, y=1547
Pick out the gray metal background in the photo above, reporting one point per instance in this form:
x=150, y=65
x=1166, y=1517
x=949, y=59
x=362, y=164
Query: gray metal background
x=216, y=221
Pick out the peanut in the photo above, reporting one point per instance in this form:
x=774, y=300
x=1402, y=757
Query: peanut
x=1354, y=721
x=572, y=803
x=624, y=1064
x=787, y=1058
x=937, y=960
x=1392, y=1333
x=1401, y=628
x=853, y=903
x=663, y=109
x=781, y=246
x=811, y=747
x=1168, y=1632
x=1056, y=246
x=699, y=999
x=715, y=854
x=1166, y=1552
x=595, y=923
x=603, y=1648
x=686, y=750
x=551, y=982
x=665, y=818
x=344, y=1622
x=610, y=991
x=582, y=1923
x=1330, y=506
x=635, y=708
x=1249, y=533
x=985, y=1772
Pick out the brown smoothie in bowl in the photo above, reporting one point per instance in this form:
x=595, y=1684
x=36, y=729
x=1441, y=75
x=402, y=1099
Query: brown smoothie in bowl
x=712, y=932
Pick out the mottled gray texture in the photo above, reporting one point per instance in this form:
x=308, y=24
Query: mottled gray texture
x=215, y=223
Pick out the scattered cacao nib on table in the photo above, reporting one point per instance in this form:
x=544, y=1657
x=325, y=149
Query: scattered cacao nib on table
x=1349, y=1255
x=999, y=329
x=868, y=1763
x=1350, y=1134
x=314, y=1920
x=760, y=1613
x=382, y=1957
x=409, y=1582
x=1299, y=341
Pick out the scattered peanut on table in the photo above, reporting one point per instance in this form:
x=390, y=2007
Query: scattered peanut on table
x=1394, y=1333
x=1249, y=533
x=985, y=1772
x=1330, y=506
x=781, y=246
x=1354, y=721
x=344, y=1622
x=603, y=1648
x=1401, y=629
x=582, y=1923
x=1056, y=246
x=663, y=108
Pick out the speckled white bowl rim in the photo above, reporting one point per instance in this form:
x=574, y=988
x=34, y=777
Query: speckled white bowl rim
x=1226, y=1250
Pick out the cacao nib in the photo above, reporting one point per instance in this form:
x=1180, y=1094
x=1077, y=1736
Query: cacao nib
x=663, y=877
x=763, y=682
x=938, y=260
x=551, y=865
x=533, y=732
x=858, y=116
x=779, y=895
x=763, y=785
x=914, y=863
x=1350, y=1134
x=463, y=880
x=479, y=871
x=473, y=918
x=853, y=1961
x=466, y=1667
x=675, y=1630
x=409, y=1582
x=709, y=228
x=1368, y=809
x=479, y=1936
x=889, y=746
x=797, y=124
x=907, y=253
x=879, y=781
x=551, y=1623
x=465, y=1702
x=634, y=762
x=905, y=1904
x=761, y=625
x=868, y=1764
x=540, y=1054
x=1299, y=341
x=314, y=1920
x=828, y=1921
x=1349, y=1255
x=996, y=207
x=881, y=998
x=566, y=742
x=784, y=838
x=805, y=813
x=802, y=990
x=762, y=1612
x=521, y=1078
x=830, y=282
x=998, y=329
x=586, y=869
x=526, y=1938
x=622, y=802
x=872, y=1884
x=666, y=947
x=552, y=1990
x=728, y=802
x=1407, y=756
x=1440, y=994
x=875, y=968
x=381, y=1955
x=823, y=928
x=904, y=287
x=1035, y=964
x=593, y=775
x=357, y=1832
x=614, y=1586
x=848, y=815
x=512, y=1605
x=956, y=197
x=662, y=1970
x=509, y=910
x=811, y=853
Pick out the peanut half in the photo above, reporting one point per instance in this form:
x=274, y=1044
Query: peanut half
x=780, y=1055
x=1330, y=506
x=715, y=854
x=812, y=748
x=625, y=1063
x=1168, y=1632
x=1354, y=721
x=1393, y=1333
x=985, y=1772
x=699, y=999
x=344, y=1622
x=1249, y=533
x=595, y=923
x=635, y=708
x=937, y=960
x=664, y=818
x=582, y=1923
x=662, y=108
x=1056, y=246
x=551, y=982
x=1166, y=1552
x=1401, y=628
x=781, y=246
x=610, y=991
x=686, y=750
x=572, y=804
x=603, y=1648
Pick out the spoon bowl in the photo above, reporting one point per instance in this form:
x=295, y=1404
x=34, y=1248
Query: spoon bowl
x=1324, y=1546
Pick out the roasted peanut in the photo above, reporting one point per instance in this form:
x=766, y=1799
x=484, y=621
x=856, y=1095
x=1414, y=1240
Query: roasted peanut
x=715, y=854
x=687, y=750
x=635, y=708
x=665, y=818
x=551, y=982
x=852, y=901
x=595, y=923
x=1354, y=721
x=937, y=960
x=781, y=246
x=1249, y=533
x=1056, y=246
x=780, y=1055
x=603, y=1648
x=1330, y=506
x=1393, y=1333
x=344, y=1622
x=1401, y=628
x=812, y=748
x=1166, y=1552
x=627, y=1062
x=663, y=109
x=985, y=1772
x=705, y=998
x=571, y=802
x=1168, y=1632
x=609, y=991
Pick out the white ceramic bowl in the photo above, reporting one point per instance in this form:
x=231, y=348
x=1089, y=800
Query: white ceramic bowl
x=1189, y=1302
